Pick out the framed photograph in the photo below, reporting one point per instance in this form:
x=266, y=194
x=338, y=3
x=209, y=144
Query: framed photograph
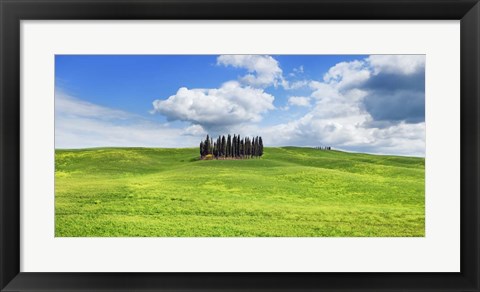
x=237, y=145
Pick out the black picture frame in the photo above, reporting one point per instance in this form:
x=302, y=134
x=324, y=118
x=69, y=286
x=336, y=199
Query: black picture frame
x=13, y=11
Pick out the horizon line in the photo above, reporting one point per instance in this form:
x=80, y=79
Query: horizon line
x=194, y=147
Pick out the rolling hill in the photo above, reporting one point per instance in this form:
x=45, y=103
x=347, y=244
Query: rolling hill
x=289, y=192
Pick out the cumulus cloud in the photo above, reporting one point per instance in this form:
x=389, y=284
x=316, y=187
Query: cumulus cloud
x=397, y=93
x=299, y=101
x=391, y=88
x=194, y=130
x=359, y=107
x=372, y=105
x=346, y=75
x=262, y=70
x=230, y=104
x=400, y=105
x=347, y=133
x=397, y=64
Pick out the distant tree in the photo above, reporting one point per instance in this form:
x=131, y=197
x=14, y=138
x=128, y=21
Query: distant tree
x=224, y=146
x=229, y=145
x=211, y=146
x=234, y=145
x=206, y=145
x=260, y=147
x=238, y=146
x=250, y=148
x=242, y=148
x=201, y=149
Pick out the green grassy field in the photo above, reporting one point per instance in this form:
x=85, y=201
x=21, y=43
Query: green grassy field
x=288, y=192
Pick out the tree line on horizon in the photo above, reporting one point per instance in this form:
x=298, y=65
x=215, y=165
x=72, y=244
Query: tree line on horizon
x=323, y=147
x=231, y=147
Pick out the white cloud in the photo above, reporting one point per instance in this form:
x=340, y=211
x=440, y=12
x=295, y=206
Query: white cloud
x=347, y=133
x=263, y=70
x=332, y=103
x=68, y=105
x=288, y=85
x=81, y=124
x=299, y=101
x=194, y=130
x=230, y=104
x=346, y=75
x=397, y=64
x=299, y=69
x=339, y=117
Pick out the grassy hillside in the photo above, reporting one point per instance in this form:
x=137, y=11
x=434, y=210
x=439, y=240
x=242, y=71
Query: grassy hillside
x=288, y=192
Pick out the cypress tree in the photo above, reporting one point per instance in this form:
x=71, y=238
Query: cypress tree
x=224, y=146
x=245, y=150
x=242, y=149
x=260, y=146
x=251, y=147
x=211, y=146
x=206, y=146
x=229, y=145
x=201, y=149
x=234, y=145
x=238, y=146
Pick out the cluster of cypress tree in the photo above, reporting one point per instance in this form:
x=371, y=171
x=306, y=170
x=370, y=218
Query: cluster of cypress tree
x=323, y=148
x=232, y=147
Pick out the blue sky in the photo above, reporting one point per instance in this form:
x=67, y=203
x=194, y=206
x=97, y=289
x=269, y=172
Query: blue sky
x=361, y=103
